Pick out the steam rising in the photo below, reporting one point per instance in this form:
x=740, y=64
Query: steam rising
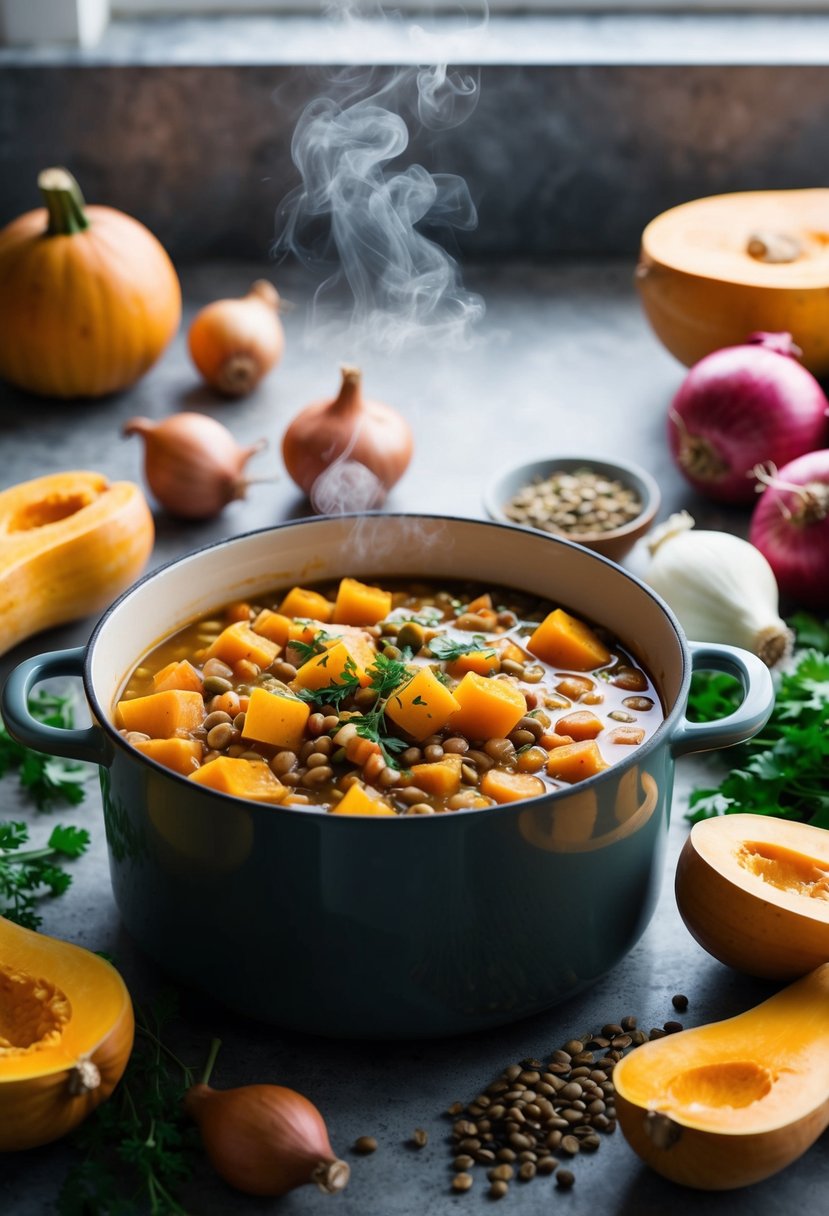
x=360, y=220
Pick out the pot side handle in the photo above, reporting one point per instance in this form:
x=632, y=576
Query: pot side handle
x=747, y=720
x=90, y=744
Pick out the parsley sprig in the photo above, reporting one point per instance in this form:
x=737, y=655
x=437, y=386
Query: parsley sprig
x=387, y=676
x=28, y=874
x=783, y=770
x=448, y=649
x=48, y=780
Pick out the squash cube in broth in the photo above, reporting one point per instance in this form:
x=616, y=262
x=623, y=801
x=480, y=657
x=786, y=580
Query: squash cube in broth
x=273, y=625
x=335, y=665
x=238, y=641
x=240, y=778
x=581, y=724
x=503, y=786
x=304, y=603
x=488, y=708
x=275, y=719
x=179, y=675
x=442, y=778
x=180, y=755
x=422, y=705
x=359, y=604
x=482, y=661
x=564, y=641
x=362, y=800
x=576, y=761
x=161, y=714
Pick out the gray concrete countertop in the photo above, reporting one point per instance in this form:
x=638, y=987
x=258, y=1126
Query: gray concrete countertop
x=563, y=361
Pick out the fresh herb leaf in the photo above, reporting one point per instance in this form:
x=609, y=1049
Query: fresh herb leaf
x=48, y=780
x=308, y=650
x=25, y=876
x=334, y=694
x=137, y=1147
x=447, y=649
x=783, y=770
x=713, y=695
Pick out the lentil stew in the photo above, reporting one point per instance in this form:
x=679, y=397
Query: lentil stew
x=402, y=699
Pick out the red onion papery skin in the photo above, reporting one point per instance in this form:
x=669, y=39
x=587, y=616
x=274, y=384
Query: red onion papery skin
x=790, y=527
x=743, y=406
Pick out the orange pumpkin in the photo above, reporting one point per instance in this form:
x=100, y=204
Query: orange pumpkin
x=88, y=297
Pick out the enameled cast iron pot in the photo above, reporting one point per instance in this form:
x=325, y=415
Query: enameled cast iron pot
x=396, y=928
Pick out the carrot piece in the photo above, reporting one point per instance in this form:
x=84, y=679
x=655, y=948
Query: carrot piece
x=504, y=786
x=422, y=705
x=362, y=800
x=359, y=604
x=575, y=761
x=627, y=734
x=489, y=709
x=552, y=740
x=273, y=625
x=240, y=778
x=161, y=714
x=358, y=749
x=565, y=641
x=442, y=778
x=179, y=675
x=238, y=641
x=302, y=602
x=180, y=755
x=275, y=719
x=583, y=724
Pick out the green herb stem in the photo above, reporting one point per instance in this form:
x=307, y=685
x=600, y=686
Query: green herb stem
x=215, y=1048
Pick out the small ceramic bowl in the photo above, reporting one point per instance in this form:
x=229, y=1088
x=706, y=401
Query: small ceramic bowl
x=615, y=543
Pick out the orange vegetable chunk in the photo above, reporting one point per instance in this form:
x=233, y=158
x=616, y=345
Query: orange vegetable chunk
x=334, y=665
x=504, y=786
x=631, y=735
x=273, y=625
x=275, y=719
x=304, y=603
x=359, y=604
x=482, y=661
x=180, y=755
x=422, y=705
x=181, y=675
x=238, y=641
x=362, y=800
x=161, y=714
x=583, y=724
x=489, y=709
x=509, y=650
x=442, y=778
x=574, y=687
x=575, y=761
x=564, y=641
x=241, y=778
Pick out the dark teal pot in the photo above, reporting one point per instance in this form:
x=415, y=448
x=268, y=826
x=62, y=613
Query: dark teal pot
x=377, y=927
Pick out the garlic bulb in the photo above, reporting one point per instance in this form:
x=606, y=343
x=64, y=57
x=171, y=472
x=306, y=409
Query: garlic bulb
x=721, y=588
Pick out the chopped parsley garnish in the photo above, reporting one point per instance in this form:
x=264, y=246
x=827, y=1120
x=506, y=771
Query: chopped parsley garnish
x=447, y=649
x=309, y=650
x=335, y=693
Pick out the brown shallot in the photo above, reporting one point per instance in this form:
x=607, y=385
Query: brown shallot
x=348, y=448
x=235, y=342
x=192, y=464
x=264, y=1139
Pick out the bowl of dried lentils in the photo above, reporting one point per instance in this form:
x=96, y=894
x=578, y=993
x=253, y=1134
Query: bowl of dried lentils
x=602, y=504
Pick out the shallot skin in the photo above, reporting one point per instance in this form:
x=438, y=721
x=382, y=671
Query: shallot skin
x=742, y=406
x=265, y=1139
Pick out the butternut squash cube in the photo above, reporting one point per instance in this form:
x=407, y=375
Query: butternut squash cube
x=359, y=604
x=305, y=603
x=575, y=761
x=489, y=709
x=442, y=778
x=509, y=650
x=177, y=675
x=503, y=786
x=275, y=719
x=161, y=714
x=238, y=641
x=273, y=625
x=180, y=755
x=241, y=778
x=335, y=665
x=564, y=641
x=582, y=724
x=483, y=661
x=422, y=705
x=362, y=800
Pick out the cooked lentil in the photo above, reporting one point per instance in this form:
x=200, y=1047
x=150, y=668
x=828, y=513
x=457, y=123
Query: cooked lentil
x=358, y=732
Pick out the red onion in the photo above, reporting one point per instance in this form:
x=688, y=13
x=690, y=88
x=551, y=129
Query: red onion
x=743, y=406
x=790, y=527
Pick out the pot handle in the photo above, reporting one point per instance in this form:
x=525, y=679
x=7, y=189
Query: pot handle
x=747, y=720
x=91, y=744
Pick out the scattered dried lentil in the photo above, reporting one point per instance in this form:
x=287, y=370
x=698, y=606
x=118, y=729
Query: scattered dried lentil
x=420, y=1138
x=365, y=1144
x=679, y=1002
x=581, y=502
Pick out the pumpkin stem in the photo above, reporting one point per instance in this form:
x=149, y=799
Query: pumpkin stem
x=215, y=1047
x=64, y=202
